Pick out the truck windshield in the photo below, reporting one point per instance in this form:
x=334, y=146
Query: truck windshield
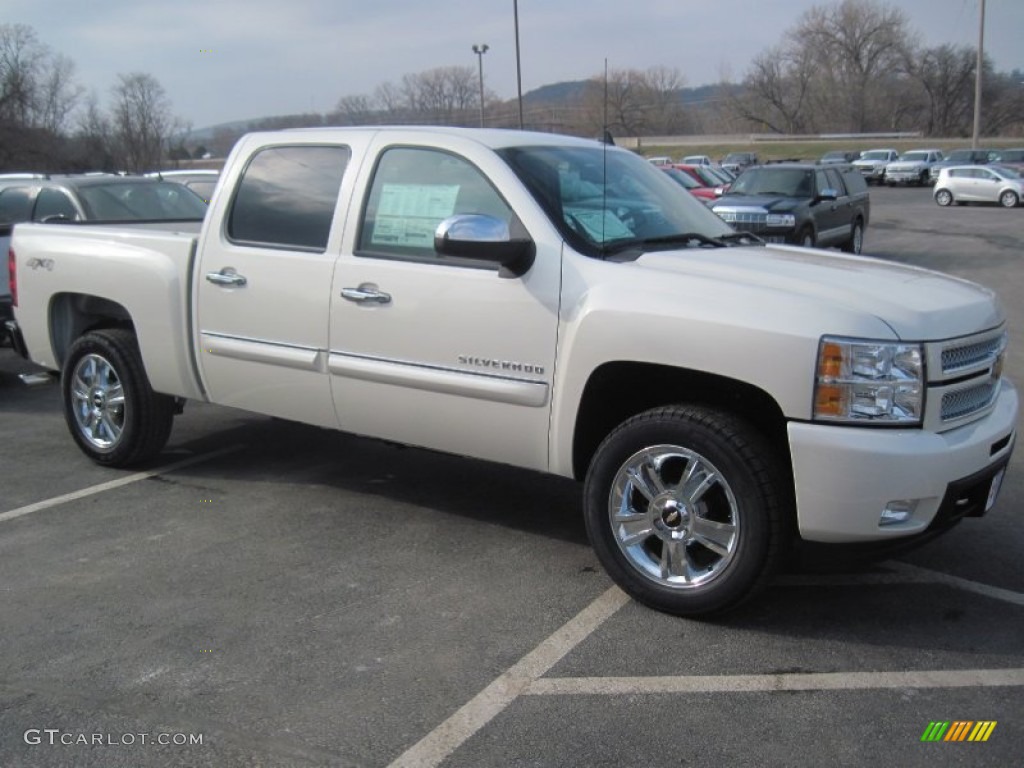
x=603, y=199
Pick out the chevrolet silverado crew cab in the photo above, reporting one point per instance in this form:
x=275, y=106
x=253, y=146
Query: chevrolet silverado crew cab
x=799, y=203
x=550, y=303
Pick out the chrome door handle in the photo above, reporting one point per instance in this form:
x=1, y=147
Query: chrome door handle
x=226, y=276
x=366, y=294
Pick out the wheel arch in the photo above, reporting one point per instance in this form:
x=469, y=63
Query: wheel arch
x=619, y=390
x=73, y=314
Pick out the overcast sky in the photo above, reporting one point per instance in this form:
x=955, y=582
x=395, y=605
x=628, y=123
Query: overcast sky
x=222, y=60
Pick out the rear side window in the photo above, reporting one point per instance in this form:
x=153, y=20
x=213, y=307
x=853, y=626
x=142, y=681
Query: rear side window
x=287, y=196
x=855, y=183
x=15, y=204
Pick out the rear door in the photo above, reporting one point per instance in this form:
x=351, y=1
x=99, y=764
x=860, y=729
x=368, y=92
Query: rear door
x=262, y=288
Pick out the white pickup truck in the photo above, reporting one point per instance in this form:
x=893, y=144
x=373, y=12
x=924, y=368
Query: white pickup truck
x=551, y=303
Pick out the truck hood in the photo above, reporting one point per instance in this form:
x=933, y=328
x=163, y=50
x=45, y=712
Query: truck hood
x=869, y=163
x=760, y=202
x=917, y=304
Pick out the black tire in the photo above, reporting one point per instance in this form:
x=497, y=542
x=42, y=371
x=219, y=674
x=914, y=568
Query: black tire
x=806, y=237
x=856, y=242
x=741, y=512
x=1009, y=199
x=113, y=413
x=943, y=197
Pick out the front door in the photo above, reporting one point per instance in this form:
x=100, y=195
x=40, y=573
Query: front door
x=437, y=351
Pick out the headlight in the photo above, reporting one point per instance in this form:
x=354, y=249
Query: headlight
x=781, y=220
x=869, y=382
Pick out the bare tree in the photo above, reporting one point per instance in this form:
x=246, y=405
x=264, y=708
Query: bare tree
x=777, y=90
x=855, y=44
x=142, y=120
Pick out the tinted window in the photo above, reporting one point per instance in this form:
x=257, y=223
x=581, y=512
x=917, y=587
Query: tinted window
x=15, y=204
x=413, y=191
x=54, y=204
x=835, y=181
x=855, y=183
x=787, y=182
x=287, y=196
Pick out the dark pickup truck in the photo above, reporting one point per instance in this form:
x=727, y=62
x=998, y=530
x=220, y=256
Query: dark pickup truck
x=799, y=203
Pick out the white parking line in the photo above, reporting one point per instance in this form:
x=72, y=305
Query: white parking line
x=526, y=677
x=822, y=681
x=488, y=704
x=902, y=573
x=998, y=593
x=126, y=480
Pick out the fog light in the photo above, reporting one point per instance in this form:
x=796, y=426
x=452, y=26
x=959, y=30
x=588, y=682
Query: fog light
x=897, y=512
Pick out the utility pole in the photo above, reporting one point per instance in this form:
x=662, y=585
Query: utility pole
x=519, y=68
x=977, y=79
x=480, y=50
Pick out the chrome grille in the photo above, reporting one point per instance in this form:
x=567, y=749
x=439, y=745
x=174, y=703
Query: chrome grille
x=750, y=222
x=964, y=402
x=970, y=355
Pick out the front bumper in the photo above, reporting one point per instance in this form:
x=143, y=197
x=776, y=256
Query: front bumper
x=845, y=477
x=872, y=172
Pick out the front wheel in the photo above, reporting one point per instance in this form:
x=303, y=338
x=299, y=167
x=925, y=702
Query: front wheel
x=114, y=415
x=1008, y=199
x=944, y=197
x=684, y=509
x=806, y=237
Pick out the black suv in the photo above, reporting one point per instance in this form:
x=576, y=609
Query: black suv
x=799, y=203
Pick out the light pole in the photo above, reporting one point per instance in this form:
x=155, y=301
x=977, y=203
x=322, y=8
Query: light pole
x=480, y=50
x=977, y=79
x=519, y=69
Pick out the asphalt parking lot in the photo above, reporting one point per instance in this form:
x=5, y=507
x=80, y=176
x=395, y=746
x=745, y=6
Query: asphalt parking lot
x=270, y=594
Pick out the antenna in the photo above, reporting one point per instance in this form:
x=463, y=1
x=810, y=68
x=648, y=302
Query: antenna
x=604, y=156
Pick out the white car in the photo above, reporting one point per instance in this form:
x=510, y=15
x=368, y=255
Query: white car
x=979, y=184
x=696, y=160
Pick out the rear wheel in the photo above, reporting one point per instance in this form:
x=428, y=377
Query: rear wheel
x=1009, y=199
x=683, y=507
x=944, y=197
x=856, y=242
x=114, y=415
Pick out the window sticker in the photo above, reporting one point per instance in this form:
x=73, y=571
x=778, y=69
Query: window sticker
x=408, y=214
x=601, y=225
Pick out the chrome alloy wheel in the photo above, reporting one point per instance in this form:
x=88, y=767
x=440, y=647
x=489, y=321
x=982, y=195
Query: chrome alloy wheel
x=98, y=404
x=674, y=516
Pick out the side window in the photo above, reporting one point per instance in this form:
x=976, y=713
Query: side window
x=54, y=204
x=835, y=181
x=413, y=191
x=15, y=204
x=821, y=180
x=287, y=196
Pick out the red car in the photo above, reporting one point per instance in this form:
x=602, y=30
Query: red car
x=706, y=177
x=696, y=188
